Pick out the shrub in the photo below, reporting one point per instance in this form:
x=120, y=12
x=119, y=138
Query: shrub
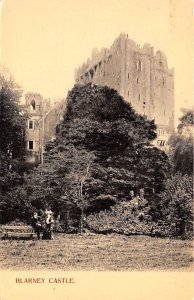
x=177, y=203
x=126, y=217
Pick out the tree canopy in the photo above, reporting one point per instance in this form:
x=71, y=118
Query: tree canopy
x=187, y=120
x=12, y=139
x=103, y=136
x=12, y=122
x=182, y=145
x=12, y=125
x=102, y=152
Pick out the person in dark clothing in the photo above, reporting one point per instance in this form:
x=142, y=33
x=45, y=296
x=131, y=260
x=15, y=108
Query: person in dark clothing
x=36, y=224
x=47, y=233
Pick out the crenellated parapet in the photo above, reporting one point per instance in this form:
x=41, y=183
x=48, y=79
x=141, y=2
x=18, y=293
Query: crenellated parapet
x=139, y=74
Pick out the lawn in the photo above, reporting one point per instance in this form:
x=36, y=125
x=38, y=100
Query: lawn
x=97, y=252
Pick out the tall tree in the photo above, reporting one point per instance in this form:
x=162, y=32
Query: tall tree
x=101, y=136
x=182, y=145
x=186, y=122
x=12, y=131
x=176, y=203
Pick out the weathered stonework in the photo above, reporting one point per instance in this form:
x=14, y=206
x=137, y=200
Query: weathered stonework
x=140, y=76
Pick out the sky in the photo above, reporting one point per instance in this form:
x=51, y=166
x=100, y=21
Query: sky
x=42, y=42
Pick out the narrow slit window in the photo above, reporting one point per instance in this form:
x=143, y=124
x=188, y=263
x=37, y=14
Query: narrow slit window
x=164, y=81
x=33, y=105
x=31, y=145
x=30, y=124
x=139, y=65
x=162, y=142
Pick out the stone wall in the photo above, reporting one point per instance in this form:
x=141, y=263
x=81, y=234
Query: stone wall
x=43, y=118
x=140, y=76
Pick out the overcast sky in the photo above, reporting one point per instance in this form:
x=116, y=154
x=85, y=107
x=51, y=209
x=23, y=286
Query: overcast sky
x=43, y=41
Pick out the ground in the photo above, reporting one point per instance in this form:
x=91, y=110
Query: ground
x=96, y=252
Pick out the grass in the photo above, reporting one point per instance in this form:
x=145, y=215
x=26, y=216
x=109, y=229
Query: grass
x=96, y=252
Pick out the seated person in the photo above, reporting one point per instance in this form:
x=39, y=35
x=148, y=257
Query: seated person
x=36, y=224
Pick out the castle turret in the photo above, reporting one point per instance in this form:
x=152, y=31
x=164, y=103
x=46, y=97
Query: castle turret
x=33, y=136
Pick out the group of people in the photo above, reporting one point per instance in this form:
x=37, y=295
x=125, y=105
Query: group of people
x=43, y=224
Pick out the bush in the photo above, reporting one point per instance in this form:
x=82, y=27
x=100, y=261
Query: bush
x=127, y=217
x=177, y=204
x=14, y=205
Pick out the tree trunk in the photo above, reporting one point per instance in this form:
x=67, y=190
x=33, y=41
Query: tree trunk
x=67, y=221
x=82, y=213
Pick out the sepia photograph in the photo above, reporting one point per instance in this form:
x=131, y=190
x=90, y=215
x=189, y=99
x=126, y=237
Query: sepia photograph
x=96, y=149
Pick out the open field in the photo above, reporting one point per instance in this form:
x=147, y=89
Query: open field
x=96, y=252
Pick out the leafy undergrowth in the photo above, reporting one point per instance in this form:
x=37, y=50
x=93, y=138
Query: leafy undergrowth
x=97, y=252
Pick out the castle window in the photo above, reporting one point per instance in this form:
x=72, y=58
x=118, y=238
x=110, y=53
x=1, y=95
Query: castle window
x=139, y=65
x=128, y=75
x=144, y=103
x=160, y=63
x=128, y=93
x=139, y=97
x=164, y=81
x=91, y=73
x=161, y=132
x=30, y=145
x=30, y=124
x=137, y=80
x=161, y=143
x=32, y=106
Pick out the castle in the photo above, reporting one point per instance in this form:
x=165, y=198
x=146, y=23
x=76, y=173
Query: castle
x=41, y=124
x=140, y=76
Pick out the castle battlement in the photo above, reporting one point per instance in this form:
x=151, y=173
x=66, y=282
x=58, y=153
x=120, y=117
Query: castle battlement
x=141, y=77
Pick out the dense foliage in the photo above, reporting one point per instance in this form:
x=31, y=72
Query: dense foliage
x=12, y=140
x=182, y=145
x=102, y=151
x=186, y=120
x=177, y=205
x=12, y=120
x=172, y=216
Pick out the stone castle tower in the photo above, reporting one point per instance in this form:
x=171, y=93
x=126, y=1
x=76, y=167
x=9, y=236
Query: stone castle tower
x=41, y=124
x=140, y=76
